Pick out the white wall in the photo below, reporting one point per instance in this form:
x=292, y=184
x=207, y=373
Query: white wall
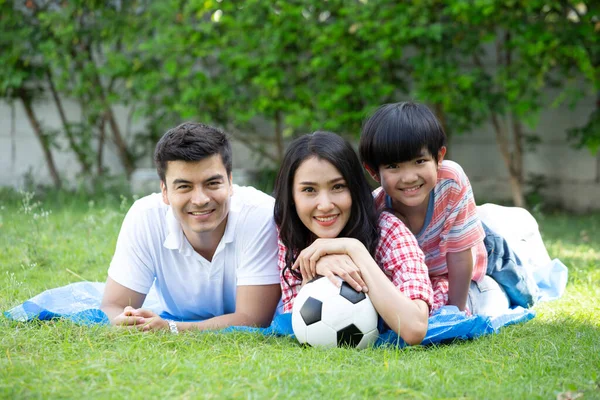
x=573, y=176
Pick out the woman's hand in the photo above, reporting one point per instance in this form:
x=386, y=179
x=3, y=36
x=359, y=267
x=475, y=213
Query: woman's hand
x=341, y=265
x=307, y=259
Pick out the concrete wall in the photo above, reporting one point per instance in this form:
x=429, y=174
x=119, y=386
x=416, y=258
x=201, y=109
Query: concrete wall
x=573, y=176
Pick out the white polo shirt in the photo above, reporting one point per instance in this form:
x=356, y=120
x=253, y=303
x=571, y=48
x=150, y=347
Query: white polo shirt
x=152, y=249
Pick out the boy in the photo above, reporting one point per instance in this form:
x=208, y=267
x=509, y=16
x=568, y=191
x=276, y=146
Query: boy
x=402, y=146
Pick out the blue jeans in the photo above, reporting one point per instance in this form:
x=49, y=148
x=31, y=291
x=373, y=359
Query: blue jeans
x=487, y=298
x=507, y=269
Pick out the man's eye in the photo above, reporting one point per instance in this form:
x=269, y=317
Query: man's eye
x=182, y=187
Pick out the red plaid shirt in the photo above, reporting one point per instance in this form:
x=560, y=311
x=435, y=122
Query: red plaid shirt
x=397, y=254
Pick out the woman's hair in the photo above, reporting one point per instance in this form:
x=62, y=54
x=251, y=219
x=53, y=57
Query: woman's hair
x=327, y=146
x=398, y=132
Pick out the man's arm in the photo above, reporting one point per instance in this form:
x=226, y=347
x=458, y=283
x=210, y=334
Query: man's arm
x=460, y=271
x=254, y=306
x=116, y=299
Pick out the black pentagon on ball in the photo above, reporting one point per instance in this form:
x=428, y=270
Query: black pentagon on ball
x=349, y=336
x=311, y=311
x=350, y=294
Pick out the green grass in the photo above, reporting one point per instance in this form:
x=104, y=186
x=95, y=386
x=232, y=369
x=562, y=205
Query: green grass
x=556, y=352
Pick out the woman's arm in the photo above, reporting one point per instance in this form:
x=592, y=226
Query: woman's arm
x=407, y=317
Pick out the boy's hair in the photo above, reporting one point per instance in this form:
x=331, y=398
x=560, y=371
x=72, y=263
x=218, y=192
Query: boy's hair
x=398, y=132
x=327, y=146
x=191, y=142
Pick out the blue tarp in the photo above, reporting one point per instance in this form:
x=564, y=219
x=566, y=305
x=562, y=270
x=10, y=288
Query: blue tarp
x=80, y=303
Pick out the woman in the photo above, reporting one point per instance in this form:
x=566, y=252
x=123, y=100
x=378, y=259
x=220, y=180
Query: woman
x=328, y=226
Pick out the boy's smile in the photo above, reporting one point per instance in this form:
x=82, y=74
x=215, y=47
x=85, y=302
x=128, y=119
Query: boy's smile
x=409, y=183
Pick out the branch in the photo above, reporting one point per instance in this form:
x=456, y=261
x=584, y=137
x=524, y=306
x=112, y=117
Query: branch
x=251, y=144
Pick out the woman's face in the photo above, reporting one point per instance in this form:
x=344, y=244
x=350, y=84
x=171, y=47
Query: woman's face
x=322, y=198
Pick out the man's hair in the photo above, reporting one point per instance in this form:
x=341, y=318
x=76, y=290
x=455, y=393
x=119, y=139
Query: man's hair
x=327, y=146
x=191, y=142
x=398, y=132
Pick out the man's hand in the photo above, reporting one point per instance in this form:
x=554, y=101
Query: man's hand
x=128, y=318
x=140, y=319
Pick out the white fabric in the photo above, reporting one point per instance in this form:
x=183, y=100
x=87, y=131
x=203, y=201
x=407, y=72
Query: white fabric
x=152, y=248
x=520, y=229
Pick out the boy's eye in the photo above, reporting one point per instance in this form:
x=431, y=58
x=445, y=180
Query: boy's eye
x=421, y=161
x=391, y=166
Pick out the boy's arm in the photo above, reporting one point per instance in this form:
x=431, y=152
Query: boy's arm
x=460, y=271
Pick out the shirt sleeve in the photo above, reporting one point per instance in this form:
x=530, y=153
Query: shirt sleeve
x=290, y=284
x=258, y=250
x=399, y=256
x=132, y=265
x=463, y=227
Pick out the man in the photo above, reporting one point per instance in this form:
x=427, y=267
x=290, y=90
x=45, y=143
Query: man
x=209, y=247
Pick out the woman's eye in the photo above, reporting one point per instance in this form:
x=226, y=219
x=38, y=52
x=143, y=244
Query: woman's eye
x=339, y=186
x=308, y=189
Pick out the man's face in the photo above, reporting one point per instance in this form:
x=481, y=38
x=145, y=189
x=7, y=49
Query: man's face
x=199, y=193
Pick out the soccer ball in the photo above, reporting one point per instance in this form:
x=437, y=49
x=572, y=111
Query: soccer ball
x=327, y=316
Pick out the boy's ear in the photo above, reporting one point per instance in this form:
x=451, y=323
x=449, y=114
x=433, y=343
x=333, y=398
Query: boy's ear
x=441, y=154
x=163, y=189
x=374, y=174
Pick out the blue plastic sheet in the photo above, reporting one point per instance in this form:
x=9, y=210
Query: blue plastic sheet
x=80, y=303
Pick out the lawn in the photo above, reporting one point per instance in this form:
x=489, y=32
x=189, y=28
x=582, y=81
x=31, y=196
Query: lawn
x=59, y=240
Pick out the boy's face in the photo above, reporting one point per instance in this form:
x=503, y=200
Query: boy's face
x=409, y=183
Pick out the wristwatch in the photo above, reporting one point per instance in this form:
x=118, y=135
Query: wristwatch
x=173, y=327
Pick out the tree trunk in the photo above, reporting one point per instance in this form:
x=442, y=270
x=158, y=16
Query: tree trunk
x=100, y=155
x=123, y=150
x=81, y=157
x=37, y=129
x=441, y=115
x=518, y=148
x=515, y=181
x=279, y=136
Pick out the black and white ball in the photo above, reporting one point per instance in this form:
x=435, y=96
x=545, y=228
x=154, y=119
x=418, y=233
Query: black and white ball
x=327, y=316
